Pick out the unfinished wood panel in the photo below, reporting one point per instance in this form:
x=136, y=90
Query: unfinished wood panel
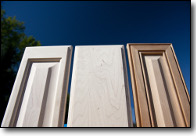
x=99, y=94
x=40, y=89
x=160, y=95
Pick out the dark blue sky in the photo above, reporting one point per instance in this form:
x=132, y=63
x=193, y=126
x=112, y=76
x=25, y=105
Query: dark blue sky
x=84, y=23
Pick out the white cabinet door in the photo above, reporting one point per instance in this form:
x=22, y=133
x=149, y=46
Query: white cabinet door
x=39, y=93
x=99, y=94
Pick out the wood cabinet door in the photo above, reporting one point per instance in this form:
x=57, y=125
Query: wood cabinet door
x=39, y=93
x=160, y=95
x=99, y=95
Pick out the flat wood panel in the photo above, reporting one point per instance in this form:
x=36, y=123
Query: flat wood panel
x=166, y=97
x=99, y=94
x=42, y=80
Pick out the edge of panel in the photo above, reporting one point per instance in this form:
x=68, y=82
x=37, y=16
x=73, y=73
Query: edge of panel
x=182, y=77
x=133, y=85
x=65, y=86
x=127, y=90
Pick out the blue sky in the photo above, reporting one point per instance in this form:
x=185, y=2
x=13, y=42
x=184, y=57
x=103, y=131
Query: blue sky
x=96, y=23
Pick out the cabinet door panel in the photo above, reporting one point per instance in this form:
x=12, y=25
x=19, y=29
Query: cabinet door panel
x=99, y=94
x=42, y=80
x=160, y=95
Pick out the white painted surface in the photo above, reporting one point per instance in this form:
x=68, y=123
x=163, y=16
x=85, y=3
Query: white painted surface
x=99, y=89
x=41, y=81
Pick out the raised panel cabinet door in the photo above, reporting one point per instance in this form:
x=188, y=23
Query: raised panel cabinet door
x=161, y=98
x=99, y=95
x=38, y=97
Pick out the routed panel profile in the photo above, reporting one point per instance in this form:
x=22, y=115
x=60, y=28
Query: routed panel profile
x=161, y=97
x=40, y=89
x=99, y=94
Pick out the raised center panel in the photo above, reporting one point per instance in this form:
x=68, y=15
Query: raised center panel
x=161, y=90
x=38, y=95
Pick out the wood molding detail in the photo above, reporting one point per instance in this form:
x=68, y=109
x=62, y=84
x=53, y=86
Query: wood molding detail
x=38, y=97
x=161, y=98
x=99, y=95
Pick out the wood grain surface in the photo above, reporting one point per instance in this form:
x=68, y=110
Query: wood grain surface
x=99, y=94
x=161, y=98
x=40, y=89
